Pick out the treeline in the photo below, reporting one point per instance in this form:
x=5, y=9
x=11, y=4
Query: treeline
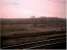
x=42, y=20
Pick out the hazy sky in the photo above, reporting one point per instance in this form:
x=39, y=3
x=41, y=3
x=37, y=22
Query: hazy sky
x=27, y=8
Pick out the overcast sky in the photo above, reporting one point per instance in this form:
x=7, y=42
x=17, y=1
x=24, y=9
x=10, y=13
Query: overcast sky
x=28, y=8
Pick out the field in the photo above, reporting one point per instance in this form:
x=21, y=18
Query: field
x=15, y=32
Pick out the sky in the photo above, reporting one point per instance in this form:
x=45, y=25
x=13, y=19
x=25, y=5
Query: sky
x=28, y=8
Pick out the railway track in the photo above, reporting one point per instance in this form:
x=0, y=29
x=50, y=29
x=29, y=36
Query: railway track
x=45, y=42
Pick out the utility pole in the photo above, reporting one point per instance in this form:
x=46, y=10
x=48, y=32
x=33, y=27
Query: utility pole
x=33, y=21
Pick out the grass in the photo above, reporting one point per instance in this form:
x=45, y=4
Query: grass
x=25, y=26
